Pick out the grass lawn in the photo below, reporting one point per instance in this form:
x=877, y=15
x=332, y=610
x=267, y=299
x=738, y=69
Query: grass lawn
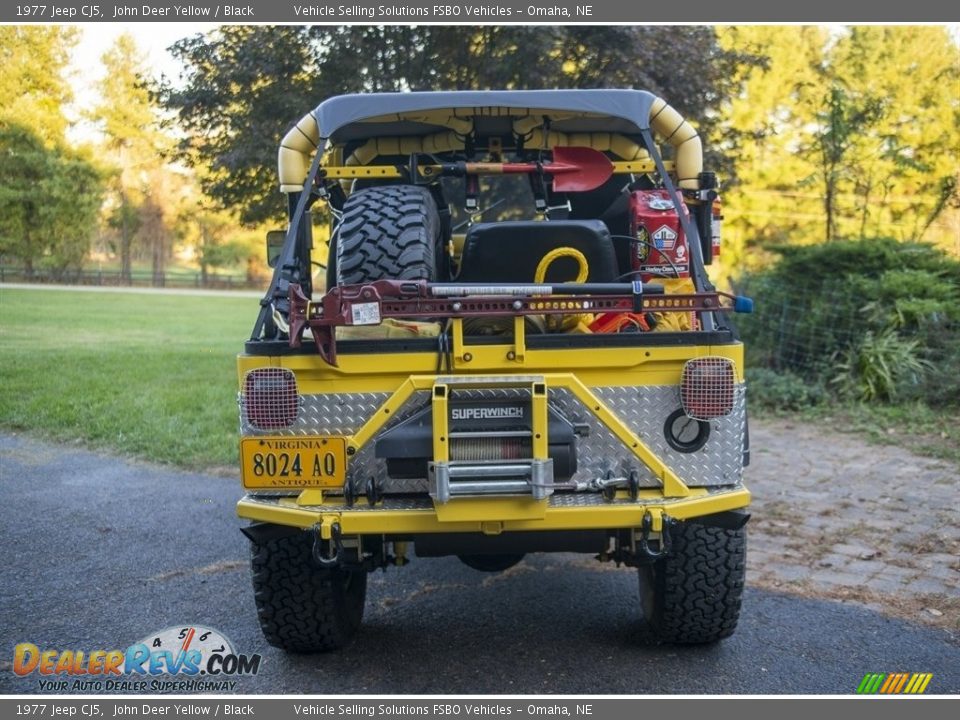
x=147, y=375
x=931, y=432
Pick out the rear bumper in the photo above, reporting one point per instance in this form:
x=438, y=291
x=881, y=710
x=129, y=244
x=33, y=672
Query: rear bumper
x=400, y=517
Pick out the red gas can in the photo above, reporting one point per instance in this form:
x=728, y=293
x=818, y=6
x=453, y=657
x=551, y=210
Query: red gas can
x=660, y=247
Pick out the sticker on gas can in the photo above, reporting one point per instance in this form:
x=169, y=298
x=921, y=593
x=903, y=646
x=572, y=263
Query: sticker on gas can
x=658, y=203
x=643, y=243
x=365, y=313
x=664, y=238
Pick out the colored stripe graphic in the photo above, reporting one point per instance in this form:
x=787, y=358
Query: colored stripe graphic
x=903, y=681
x=894, y=683
x=890, y=682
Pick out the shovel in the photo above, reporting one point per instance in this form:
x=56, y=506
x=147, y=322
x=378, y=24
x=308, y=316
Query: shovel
x=574, y=169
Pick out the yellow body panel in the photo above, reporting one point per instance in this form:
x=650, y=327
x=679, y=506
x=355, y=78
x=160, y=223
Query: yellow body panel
x=578, y=370
x=594, y=367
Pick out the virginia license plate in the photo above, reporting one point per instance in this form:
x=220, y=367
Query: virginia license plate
x=293, y=462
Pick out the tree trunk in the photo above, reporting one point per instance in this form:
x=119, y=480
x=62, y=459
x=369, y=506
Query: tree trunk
x=204, y=241
x=158, y=279
x=828, y=211
x=125, y=274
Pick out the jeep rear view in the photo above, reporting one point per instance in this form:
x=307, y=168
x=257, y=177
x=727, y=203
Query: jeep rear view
x=514, y=348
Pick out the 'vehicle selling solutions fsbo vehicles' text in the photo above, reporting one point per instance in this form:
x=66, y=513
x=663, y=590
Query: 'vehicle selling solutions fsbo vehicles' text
x=516, y=350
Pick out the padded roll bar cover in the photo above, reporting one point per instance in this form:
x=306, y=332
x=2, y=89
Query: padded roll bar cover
x=293, y=158
x=393, y=146
x=667, y=122
x=509, y=251
x=298, y=145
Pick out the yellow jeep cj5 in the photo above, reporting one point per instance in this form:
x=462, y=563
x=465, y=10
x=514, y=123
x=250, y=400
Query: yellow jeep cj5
x=516, y=349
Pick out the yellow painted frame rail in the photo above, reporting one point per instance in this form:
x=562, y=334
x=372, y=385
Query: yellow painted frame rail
x=351, y=172
x=491, y=516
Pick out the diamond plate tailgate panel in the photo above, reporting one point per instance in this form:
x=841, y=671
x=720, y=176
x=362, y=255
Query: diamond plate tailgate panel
x=644, y=409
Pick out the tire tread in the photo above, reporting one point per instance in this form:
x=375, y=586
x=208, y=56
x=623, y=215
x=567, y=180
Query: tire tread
x=304, y=608
x=698, y=588
x=390, y=231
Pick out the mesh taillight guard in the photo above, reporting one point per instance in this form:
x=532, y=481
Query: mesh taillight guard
x=270, y=399
x=708, y=387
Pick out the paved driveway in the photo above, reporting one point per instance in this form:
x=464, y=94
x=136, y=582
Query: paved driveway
x=102, y=551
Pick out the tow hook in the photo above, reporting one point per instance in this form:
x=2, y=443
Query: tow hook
x=349, y=493
x=335, y=543
x=373, y=492
x=634, y=485
x=608, y=485
x=646, y=525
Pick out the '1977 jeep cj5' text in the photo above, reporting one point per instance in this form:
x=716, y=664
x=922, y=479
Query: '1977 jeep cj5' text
x=516, y=350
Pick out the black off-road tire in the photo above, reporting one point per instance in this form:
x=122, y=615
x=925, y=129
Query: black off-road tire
x=693, y=596
x=391, y=231
x=302, y=607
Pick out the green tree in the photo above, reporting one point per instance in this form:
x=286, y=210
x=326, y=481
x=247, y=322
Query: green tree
x=49, y=202
x=908, y=161
x=840, y=124
x=49, y=193
x=127, y=117
x=242, y=87
x=764, y=207
x=850, y=133
x=220, y=244
x=33, y=89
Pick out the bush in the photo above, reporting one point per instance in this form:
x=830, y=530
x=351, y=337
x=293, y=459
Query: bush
x=781, y=390
x=878, y=366
x=940, y=384
x=878, y=319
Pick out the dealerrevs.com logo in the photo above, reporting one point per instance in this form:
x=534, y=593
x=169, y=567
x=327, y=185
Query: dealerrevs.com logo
x=200, y=658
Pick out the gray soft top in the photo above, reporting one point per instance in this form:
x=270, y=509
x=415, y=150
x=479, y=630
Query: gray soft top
x=356, y=117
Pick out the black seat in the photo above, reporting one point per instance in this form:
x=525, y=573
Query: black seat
x=509, y=252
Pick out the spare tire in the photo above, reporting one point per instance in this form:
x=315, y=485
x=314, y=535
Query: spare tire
x=388, y=232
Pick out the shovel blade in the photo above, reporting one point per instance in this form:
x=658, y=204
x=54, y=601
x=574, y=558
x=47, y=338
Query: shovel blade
x=578, y=169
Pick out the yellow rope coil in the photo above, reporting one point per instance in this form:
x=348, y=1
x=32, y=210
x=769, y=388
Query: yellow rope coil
x=565, y=323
